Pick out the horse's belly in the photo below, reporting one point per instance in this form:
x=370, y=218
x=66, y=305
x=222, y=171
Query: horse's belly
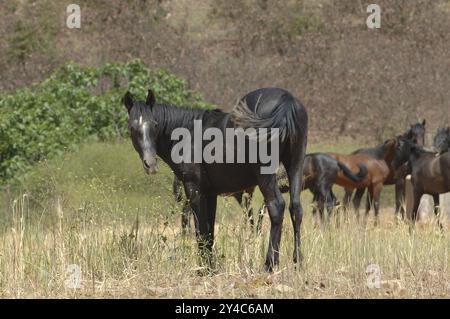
x=230, y=178
x=436, y=186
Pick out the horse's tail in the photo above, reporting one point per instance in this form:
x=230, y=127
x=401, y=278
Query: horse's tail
x=350, y=175
x=288, y=115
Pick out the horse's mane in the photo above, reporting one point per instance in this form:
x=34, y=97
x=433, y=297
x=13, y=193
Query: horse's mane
x=422, y=151
x=170, y=117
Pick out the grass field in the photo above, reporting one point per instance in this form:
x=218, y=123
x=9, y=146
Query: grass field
x=96, y=209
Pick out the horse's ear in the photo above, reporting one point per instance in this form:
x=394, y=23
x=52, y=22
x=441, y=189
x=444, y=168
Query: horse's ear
x=150, y=101
x=128, y=101
x=424, y=122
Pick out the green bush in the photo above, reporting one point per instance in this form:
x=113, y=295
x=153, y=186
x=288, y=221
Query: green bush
x=75, y=104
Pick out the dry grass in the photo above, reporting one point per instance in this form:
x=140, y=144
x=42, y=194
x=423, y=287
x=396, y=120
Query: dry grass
x=155, y=260
x=128, y=243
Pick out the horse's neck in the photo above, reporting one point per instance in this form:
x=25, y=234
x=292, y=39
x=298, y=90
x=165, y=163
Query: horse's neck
x=389, y=154
x=170, y=118
x=418, y=155
x=378, y=151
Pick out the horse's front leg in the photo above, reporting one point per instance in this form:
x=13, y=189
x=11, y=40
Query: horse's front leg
x=357, y=199
x=204, y=209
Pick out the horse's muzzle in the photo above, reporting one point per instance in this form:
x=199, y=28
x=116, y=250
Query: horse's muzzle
x=150, y=166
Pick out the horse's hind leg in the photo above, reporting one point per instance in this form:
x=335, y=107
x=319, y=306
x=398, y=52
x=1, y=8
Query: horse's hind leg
x=315, y=207
x=185, y=220
x=375, y=195
x=369, y=202
x=329, y=200
x=323, y=199
x=331, y=203
x=275, y=205
x=400, y=198
x=437, y=210
x=294, y=169
x=357, y=200
x=347, y=198
x=244, y=200
x=260, y=219
x=247, y=204
x=376, y=202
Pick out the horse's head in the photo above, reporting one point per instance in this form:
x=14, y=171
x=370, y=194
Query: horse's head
x=416, y=133
x=143, y=128
x=441, y=141
x=403, y=149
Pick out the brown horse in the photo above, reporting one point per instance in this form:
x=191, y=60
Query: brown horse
x=430, y=175
x=378, y=171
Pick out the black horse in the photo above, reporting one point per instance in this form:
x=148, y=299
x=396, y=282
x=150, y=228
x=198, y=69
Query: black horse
x=415, y=134
x=430, y=174
x=151, y=125
x=441, y=142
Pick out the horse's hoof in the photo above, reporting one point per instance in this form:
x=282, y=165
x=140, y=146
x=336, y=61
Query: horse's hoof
x=298, y=261
x=203, y=272
x=268, y=268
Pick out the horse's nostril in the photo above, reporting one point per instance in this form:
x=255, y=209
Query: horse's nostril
x=146, y=165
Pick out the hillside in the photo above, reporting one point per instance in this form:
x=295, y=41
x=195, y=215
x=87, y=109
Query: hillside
x=356, y=82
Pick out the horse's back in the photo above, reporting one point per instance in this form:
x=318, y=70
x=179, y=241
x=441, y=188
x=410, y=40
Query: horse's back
x=377, y=170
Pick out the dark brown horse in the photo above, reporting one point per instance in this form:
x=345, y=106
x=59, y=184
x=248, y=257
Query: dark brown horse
x=430, y=174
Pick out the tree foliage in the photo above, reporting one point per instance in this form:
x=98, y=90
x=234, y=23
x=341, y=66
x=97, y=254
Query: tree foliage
x=75, y=104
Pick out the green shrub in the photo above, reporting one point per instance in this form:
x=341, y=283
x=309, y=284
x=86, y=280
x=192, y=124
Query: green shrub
x=75, y=104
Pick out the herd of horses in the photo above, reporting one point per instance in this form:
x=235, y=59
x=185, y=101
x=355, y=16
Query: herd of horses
x=151, y=125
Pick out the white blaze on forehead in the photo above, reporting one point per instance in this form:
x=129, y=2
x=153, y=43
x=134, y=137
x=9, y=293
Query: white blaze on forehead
x=140, y=120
